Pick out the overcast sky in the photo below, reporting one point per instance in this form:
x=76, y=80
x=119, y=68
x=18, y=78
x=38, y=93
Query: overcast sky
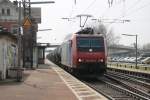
x=137, y=11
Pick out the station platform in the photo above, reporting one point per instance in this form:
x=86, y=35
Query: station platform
x=48, y=82
x=145, y=69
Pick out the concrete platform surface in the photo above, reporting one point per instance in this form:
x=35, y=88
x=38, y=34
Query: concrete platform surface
x=46, y=83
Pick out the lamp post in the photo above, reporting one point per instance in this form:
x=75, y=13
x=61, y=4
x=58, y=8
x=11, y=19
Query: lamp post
x=135, y=47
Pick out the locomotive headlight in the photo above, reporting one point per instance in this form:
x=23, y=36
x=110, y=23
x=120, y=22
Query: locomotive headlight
x=100, y=60
x=80, y=60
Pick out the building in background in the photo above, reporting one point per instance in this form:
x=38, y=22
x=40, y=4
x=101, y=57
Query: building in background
x=30, y=51
x=8, y=39
x=9, y=15
x=8, y=53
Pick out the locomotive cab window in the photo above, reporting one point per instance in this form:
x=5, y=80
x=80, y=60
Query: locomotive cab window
x=97, y=42
x=85, y=43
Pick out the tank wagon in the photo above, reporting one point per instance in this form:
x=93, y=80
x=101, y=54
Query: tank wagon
x=82, y=53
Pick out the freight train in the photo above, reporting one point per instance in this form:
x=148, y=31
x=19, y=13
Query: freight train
x=83, y=53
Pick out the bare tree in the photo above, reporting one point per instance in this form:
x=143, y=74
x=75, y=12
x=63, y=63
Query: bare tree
x=111, y=39
x=146, y=46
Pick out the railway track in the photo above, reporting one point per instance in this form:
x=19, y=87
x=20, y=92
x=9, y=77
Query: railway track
x=113, y=90
x=133, y=76
x=141, y=76
x=141, y=83
x=132, y=86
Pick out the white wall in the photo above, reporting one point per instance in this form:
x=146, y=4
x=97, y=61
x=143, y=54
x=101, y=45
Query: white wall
x=1, y=57
x=8, y=55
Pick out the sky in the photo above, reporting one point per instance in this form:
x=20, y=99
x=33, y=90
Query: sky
x=137, y=11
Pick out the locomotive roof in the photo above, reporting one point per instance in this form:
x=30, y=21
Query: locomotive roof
x=86, y=31
x=89, y=35
x=83, y=32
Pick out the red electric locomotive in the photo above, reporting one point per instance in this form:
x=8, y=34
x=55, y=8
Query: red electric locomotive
x=84, y=54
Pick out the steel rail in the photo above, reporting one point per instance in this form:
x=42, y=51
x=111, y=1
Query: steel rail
x=133, y=76
x=135, y=95
x=140, y=92
x=117, y=88
x=104, y=94
x=131, y=79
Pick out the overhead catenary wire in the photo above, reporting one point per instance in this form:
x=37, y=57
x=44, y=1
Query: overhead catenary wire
x=133, y=11
x=75, y=2
x=134, y=4
x=89, y=6
x=124, y=10
x=138, y=9
x=110, y=7
x=73, y=6
x=127, y=13
x=72, y=10
x=110, y=2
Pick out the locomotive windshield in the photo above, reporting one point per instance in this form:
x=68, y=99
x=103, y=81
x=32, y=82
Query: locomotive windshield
x=85, y=43
x=97, y=42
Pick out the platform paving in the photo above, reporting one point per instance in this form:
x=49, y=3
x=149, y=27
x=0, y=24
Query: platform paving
x=44, y=83
x=40, y=84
